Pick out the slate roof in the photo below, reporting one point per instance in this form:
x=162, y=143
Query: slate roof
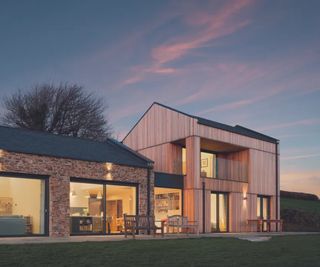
x=46, y=144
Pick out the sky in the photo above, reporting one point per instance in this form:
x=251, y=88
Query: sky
x=253, y=63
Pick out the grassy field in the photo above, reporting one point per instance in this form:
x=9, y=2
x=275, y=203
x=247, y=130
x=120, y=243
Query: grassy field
x=302, y=205
x=279, y=251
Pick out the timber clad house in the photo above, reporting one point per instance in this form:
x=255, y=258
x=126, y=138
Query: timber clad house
x=170, y=163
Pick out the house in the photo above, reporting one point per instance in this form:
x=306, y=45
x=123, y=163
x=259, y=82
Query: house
x=218, y=175
x=56, y=185
x=170, y=163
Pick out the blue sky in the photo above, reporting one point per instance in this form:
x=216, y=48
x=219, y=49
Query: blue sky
x=253, y=63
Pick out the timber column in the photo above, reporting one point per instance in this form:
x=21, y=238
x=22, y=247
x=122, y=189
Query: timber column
x=192, y=183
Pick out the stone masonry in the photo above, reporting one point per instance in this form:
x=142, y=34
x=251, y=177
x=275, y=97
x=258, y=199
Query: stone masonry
x=60, y=170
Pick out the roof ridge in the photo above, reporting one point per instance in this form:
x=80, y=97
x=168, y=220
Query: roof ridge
x=236, y=129
x=52, y=134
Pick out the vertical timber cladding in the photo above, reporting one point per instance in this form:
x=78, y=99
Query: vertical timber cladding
x=193, y=185
x=160, y=126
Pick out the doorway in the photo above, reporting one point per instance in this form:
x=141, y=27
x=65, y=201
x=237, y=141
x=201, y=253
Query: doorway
x=263, y=210
x=219, y=212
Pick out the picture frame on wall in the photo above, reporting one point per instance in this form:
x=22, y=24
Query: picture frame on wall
x=204, y=163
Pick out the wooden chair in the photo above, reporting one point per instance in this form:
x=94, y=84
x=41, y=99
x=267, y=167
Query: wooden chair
x=135, y=223
x=181, y=224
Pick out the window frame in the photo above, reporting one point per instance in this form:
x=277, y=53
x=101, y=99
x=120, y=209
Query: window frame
x=44, y=178
x=104, y=183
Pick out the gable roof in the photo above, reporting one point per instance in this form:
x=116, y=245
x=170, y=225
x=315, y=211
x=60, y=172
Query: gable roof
x=238, y=129
x=46, y=144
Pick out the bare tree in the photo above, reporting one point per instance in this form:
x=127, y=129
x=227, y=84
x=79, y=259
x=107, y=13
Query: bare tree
x=64, y=109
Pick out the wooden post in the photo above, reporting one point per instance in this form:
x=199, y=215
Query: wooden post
x=193, y=186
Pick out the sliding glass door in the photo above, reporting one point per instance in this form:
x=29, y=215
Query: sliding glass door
x=263, y=210
x=86, y=208
x=119, y=200
x=219, y=212
x=98, y=208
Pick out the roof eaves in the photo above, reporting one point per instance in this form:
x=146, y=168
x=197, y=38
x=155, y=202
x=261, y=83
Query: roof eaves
x=134, y=153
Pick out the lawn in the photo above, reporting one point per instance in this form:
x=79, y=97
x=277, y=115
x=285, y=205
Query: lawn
x=301, y=205
x=280, y=251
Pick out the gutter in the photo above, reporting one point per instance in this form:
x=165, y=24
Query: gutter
x=277, y=184
x=150, y=166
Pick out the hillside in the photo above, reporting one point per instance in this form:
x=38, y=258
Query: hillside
x=300, y=214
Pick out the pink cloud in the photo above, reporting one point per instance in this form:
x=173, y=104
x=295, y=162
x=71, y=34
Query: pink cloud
x=305, y=122
x=214, y=26
x=303, y=156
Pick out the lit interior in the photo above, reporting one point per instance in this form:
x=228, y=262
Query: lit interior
x=22, y=203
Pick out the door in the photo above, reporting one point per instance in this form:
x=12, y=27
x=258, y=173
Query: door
x=219, y=212
x=263, y=210
x=98, y=208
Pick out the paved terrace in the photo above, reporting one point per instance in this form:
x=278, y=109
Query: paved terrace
x=255, y=237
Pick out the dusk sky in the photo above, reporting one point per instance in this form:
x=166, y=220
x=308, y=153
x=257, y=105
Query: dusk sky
x=253, y=63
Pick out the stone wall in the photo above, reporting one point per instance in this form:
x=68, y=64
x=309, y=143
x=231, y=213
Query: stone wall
x=60, y=170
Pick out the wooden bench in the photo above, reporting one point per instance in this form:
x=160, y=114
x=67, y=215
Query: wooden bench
x=134, y=223
x=261, y=222
x=180, y=224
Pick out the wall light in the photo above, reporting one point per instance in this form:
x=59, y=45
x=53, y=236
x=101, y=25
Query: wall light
x=108, y=176
x=245, y=197
x=99, y=195
x=109, y=166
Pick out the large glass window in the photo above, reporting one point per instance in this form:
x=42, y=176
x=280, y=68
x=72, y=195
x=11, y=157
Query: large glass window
x=167, y=202
x=208, y=165
x=263, y=209
x=99, y=208
x=120, y=200
x=86, y=208
x=219, y=212
x=22, y=206
x=184, y=161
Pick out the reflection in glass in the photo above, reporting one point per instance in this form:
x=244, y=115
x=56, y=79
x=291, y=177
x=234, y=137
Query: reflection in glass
x=213, y=212
x=22, y=206
x=219, y=212
x=119, y=200
x=263, y=209
x=184, y=161
x=223, y=212
x=208, y=165
x=167, y=202
x=86, y=208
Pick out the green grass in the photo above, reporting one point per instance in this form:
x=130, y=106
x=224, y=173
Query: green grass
x=279, y=251
x=301, y=205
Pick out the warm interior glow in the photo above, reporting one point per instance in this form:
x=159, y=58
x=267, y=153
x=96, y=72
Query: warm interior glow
x=219, y=212
x=22, y=204
x=167, y=202
x=208, y=165
x=184, y=161
x=109, y=176
x=109, y=166
x=87, y=207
